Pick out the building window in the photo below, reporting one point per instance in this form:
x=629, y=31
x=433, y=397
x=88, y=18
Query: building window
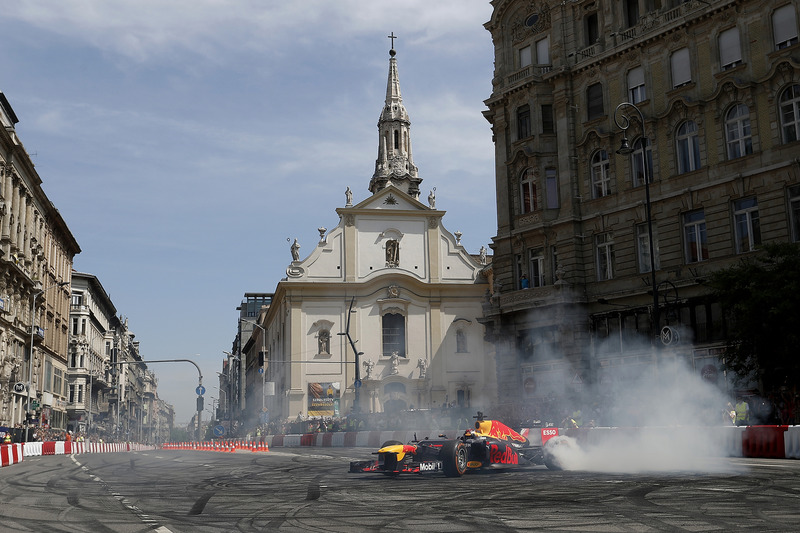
x=524, y=282
x=601, y=181
x=75, y=325
x=394, y=334
x=525, y=59
x=638, y=160
x=681, y=68
x=548, y=125
x=790, y=113
x=730, y=51
x=694, y=233
x=461, y=341
x=632, y=13
x=794, y=211
x=746, y=224
x=523, y=122
x=605, y=256
x=543, y=51
x=737, y=132
x=536, y=267
x=58, y=381
x=551, y=188
x=48, y=376
x=591, y=28
x=688, y=147
x=643, y=245
x=71, y=397
x=636, y=89
x=528, y=192
x=77, y=299
x=784, y=26
x=594, y=101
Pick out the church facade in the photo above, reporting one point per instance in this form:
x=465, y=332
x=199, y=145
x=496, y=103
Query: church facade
x=383, y=313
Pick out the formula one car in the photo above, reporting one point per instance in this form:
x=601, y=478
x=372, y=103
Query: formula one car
x=491, y=444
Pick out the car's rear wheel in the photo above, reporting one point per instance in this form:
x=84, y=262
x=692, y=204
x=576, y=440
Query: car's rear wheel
x=454, y=458
x=553, y=449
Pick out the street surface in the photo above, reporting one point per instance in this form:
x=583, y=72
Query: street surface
x=310, y=490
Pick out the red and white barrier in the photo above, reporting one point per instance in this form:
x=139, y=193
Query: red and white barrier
x=10, y=454
x=752, y=441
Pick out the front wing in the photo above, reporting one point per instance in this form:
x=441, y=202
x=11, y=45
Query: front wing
x=413, y=467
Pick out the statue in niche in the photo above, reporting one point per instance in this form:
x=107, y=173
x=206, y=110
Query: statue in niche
x=324, y=341
x=369, y=366
x=295, y=251
x=395, y=364
x=432, y=198
x=422, y=364
x=392, y=253
x=348, y=194
x=483, y=255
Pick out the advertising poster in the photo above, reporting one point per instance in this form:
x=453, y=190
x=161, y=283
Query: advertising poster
x=323, y=399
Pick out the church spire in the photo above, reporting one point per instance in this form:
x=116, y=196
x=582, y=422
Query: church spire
x=394, y=165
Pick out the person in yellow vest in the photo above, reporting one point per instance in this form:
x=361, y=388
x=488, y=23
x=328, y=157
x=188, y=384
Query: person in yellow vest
x=7, y=438
x=742, y=412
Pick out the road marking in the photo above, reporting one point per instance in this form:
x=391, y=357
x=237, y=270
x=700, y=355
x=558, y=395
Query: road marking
x=124, y=501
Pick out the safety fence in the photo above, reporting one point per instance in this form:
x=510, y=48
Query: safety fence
x=782, y=442
x=229, y=446
x=10, y=454
x=14, y=453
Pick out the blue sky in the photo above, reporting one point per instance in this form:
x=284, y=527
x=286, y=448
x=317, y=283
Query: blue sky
x=186, y=141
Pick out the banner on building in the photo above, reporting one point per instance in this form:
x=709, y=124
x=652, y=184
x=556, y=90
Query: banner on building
x=323, y=399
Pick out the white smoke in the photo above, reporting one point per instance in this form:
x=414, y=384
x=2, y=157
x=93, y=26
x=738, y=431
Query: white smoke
x=679, y=426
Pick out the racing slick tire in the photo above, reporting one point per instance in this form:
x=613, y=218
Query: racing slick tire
x=454, y=458
x=551, y=456
x=390, y=443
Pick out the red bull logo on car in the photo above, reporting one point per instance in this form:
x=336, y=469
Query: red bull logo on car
x=504, y=455
x=498, y=430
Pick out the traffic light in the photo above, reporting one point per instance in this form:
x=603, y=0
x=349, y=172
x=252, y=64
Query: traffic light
x=199, y=403
x=260, y=358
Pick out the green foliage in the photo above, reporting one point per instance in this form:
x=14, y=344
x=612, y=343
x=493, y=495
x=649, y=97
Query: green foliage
x=760, y=297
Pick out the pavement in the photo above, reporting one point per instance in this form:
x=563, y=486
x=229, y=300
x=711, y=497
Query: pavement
x=307, y=489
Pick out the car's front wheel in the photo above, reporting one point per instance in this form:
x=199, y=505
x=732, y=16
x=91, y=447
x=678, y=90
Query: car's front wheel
x=454, y=458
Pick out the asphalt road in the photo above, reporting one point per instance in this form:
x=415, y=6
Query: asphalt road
x=311, y=490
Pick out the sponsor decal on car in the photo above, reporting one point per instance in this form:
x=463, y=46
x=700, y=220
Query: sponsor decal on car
x=474, y=464
x=507, y=456
x=548, y=433
x=432, y=466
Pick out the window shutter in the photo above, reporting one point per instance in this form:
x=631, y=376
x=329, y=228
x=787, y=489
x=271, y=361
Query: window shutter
x=524, y=57
x=543, y=51
x=681, y=69
x=784, y=24
x=730, y=52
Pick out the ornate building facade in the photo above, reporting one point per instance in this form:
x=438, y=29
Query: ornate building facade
x=36, y=254
x=714, y=163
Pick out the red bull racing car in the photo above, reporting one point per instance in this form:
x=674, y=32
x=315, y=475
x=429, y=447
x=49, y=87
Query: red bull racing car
x=491, y=444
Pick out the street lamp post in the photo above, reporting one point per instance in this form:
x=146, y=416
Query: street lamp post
x=622, y=117
x=28, y=414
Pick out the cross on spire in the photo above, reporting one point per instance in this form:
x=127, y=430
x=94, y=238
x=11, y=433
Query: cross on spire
x=392, y=37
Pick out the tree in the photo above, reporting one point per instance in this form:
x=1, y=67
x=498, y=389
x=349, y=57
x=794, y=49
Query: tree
x=759, y=297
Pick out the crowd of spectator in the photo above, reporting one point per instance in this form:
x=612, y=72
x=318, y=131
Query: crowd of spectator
x=544, y=412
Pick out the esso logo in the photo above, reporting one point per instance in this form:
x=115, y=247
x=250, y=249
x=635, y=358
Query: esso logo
x=548, y=434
